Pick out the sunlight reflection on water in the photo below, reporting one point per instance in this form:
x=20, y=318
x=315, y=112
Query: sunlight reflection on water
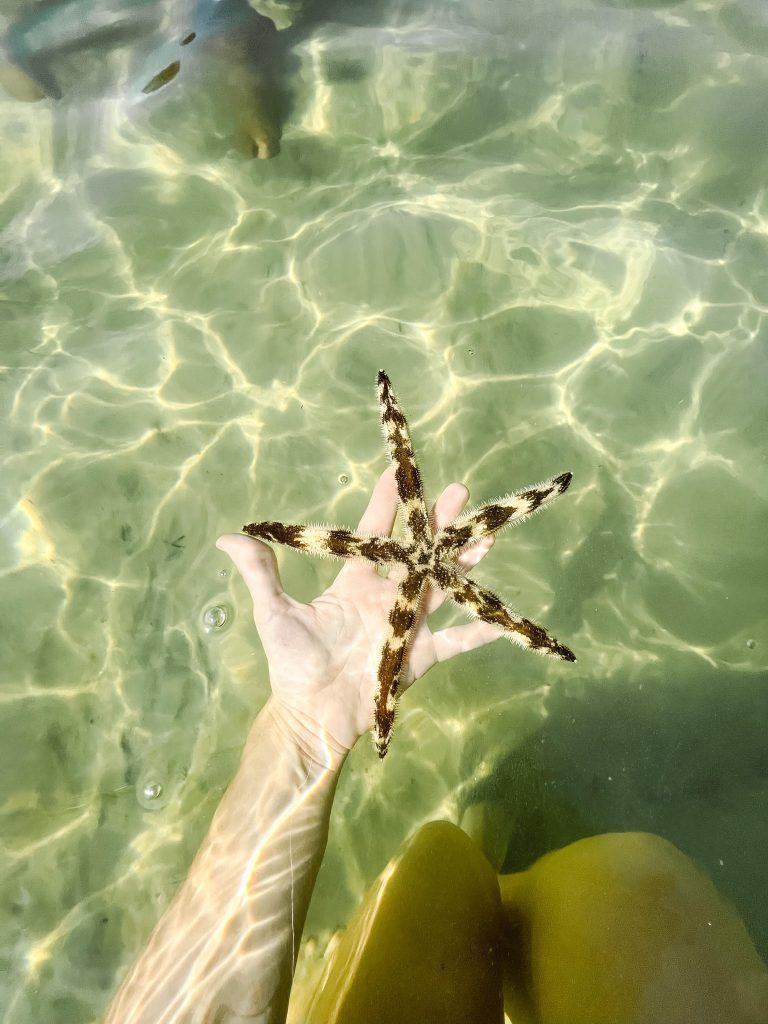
x=548, y=222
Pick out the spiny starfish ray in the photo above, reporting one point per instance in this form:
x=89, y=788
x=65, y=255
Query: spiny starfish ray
x=426, y=557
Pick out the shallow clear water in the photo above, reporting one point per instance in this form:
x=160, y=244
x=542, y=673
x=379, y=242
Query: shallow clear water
x=549, y=222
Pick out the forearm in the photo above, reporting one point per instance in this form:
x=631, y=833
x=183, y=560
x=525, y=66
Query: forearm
x=225, y=949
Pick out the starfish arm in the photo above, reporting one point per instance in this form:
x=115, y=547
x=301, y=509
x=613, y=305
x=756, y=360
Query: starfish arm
x=330, y=540
x=409, y=487
x=495, y=515
x=402, y=619
x=486, y=606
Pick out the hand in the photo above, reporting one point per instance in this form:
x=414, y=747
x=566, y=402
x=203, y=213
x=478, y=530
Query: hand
x=323, y=656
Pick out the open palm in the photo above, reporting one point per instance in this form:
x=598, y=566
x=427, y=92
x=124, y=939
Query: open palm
x=323, y=655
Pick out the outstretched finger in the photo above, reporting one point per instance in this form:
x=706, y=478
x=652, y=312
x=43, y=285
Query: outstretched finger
x=449, y=505
x=379, y=516
x=378, y=520
x=458, y=639
x=257, y=564
x=476, y=553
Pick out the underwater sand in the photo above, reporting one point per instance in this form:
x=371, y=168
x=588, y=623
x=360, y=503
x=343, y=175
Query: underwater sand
x=555, y=240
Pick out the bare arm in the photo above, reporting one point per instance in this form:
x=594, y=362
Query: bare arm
x=226, y=947
x=224, y=951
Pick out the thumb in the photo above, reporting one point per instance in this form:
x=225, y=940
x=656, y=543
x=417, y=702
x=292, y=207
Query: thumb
x=257, y=564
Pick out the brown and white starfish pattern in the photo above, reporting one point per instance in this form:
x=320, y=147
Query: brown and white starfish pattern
x=425, y=557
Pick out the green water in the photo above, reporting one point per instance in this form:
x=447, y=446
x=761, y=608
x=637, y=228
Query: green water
x=554, y=238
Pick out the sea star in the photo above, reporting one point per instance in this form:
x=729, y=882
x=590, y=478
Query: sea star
x=428, y=557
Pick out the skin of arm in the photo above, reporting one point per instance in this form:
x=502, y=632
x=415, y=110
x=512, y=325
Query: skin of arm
x=225, y=950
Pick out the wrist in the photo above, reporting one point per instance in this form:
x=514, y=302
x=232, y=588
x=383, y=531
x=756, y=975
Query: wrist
x=301, y=734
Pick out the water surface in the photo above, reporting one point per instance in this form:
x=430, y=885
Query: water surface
x=548, y=222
